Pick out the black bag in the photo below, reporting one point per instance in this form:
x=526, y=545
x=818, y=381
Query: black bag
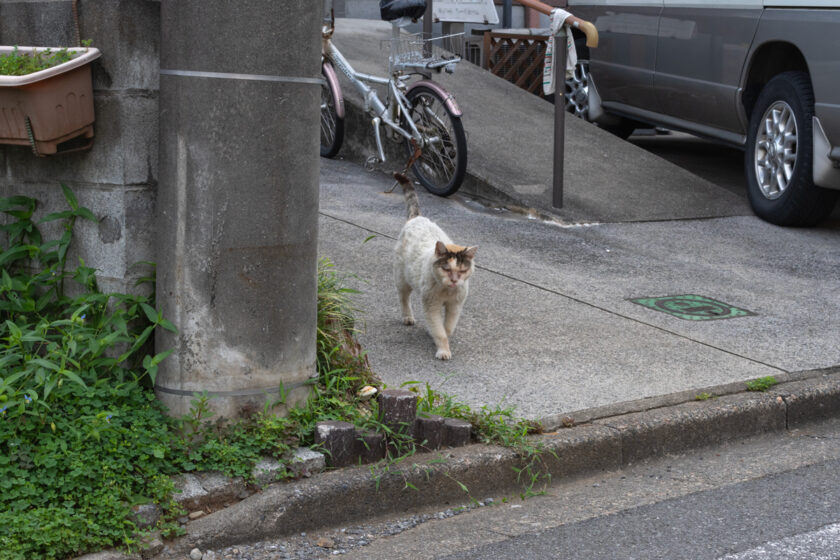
x=395, y=9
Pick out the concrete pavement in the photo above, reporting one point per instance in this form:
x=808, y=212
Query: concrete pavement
x=550, y=327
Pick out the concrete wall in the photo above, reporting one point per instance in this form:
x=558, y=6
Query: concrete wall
x=237, y=252
x=117, y=178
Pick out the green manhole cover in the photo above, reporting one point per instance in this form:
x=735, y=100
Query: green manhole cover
x=692, y=307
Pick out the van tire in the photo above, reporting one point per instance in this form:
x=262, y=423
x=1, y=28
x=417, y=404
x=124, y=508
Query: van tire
x=779, y=155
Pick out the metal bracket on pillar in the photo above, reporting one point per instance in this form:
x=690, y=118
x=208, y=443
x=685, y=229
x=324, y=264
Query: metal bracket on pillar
x=427, y=29
x=507, y=14
x=559, y=117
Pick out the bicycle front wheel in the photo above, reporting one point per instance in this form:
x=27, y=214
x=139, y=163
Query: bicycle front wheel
x=443, y=163
x=332, y=126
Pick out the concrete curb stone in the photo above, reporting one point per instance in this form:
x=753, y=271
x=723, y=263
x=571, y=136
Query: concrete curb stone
x=696, y=424
x=811, y=400
x=354, y=493
x=605, y=444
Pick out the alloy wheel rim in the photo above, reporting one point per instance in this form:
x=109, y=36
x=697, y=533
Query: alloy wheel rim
x=776, y=150
x=577, y=91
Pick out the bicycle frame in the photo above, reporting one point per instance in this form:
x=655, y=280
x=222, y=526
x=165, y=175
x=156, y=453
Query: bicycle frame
x=397, y=103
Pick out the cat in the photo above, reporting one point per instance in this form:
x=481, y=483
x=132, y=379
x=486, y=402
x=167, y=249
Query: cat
x=428, y=261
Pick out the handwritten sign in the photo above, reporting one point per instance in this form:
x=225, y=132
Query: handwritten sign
x=465, y=11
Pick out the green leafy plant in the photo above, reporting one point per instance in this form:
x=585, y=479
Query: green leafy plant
x=17, y=63
x=761, y=384
x=82, y=439
x=55, y=343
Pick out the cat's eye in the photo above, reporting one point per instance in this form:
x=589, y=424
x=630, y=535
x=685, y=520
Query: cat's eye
x=445, y=267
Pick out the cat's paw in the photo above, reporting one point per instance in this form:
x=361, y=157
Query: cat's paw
x=408, y=321
x=443, y=354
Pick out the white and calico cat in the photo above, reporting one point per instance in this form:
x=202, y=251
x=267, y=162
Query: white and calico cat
x=427, y=261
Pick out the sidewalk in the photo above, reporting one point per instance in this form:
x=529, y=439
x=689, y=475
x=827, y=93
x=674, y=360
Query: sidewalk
x=549, y=327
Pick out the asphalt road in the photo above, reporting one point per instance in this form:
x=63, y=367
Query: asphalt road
x=790, y=515
x=719, y=164
x=770, y=498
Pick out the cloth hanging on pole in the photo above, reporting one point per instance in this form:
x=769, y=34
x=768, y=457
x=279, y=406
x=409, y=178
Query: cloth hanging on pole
x=558, y=17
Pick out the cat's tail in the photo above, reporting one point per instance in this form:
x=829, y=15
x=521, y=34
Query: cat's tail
x=411, y=200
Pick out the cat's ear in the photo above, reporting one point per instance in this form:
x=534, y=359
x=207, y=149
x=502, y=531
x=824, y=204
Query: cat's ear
x=469, y=252
x=440, y=249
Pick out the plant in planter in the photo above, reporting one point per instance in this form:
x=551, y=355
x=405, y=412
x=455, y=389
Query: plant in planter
x=46, y=96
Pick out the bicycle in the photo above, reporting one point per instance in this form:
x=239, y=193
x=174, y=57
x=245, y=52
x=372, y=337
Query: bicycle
x=423, y=114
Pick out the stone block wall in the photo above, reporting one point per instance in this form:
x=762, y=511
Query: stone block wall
x=117, y=177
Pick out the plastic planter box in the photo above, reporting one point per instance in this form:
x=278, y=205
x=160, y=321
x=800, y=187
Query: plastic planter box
x=53, y=105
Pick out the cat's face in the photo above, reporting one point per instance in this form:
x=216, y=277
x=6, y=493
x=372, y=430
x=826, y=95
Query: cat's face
x=453, y=264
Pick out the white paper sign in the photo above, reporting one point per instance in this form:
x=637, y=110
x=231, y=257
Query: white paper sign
x=465, y=11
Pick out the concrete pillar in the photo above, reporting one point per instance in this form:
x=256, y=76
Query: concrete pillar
x=238, y=200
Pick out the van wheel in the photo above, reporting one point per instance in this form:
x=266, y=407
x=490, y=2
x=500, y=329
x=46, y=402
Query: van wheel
x=577, y=86
x=779, y=155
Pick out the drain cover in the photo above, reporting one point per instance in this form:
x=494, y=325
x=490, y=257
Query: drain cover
x=693, y=307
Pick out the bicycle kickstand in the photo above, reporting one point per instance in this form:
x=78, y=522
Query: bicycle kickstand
x=404, y=172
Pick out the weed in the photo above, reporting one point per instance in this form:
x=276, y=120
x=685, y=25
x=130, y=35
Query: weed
x=495, y=425
x=761, y=384
x=82, y=439
x=703, y=397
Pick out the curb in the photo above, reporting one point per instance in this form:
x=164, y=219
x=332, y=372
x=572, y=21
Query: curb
x=610, y=443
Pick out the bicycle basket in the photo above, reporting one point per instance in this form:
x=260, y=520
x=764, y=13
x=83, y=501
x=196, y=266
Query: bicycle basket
x=415, y=51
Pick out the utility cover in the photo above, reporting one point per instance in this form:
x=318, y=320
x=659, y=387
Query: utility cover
x=693, y=307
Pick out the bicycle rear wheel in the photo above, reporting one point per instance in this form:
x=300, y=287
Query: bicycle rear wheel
x=443, y=164
x=332, y=126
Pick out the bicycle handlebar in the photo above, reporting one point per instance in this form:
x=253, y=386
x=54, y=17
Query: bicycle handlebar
x=587, y=27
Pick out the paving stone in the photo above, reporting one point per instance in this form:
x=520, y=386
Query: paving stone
x=338, y=440
x=154, y=546
x=428, y=431
x=305, y=462
x=456, y=432
x=219, y=487
x=370, y=446
x=265, y=471
x=146, y=515
x=398, y=409
x=191, y=491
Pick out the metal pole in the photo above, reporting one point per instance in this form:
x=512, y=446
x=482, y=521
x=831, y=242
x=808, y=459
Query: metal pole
x=427, y=20
x=559, y=115
x=507, y=14
x=427, y=29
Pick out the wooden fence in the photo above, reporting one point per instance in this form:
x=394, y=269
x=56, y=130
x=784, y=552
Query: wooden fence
x=516, y=58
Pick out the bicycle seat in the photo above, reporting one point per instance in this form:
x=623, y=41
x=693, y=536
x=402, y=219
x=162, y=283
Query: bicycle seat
x=389, y=10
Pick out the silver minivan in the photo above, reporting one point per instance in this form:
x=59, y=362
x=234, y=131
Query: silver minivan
x=763, y=75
